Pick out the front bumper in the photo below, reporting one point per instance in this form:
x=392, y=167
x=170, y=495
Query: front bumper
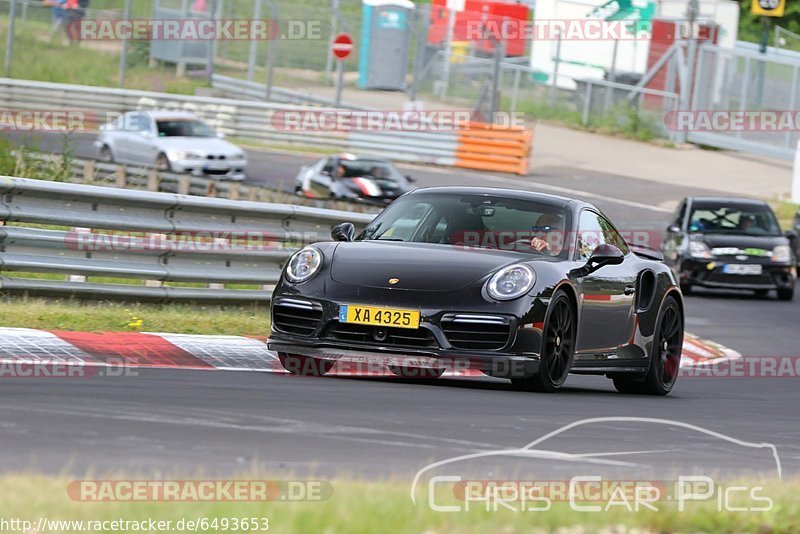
x=433, y=344
x=710, y=274
x=494, y=364
x=229, y=169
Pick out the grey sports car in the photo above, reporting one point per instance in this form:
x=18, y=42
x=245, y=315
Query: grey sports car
x=371, y=179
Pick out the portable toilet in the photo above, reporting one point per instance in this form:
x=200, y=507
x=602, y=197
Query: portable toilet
x=385, y=38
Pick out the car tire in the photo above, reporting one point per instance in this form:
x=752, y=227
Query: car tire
x=300, y=365
x=162, y=163
x=425, y=373
x=786, y=293
x=558, y=348
x=665, y=355
x=106, y=155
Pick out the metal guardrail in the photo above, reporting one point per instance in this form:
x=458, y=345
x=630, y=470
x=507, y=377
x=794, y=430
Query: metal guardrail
x=93, y=172
x=239, y=88
x=244, y=119
x=82, y=239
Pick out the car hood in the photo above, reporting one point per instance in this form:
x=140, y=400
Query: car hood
x=207, y=145
x=418, y=266
x=742, y=242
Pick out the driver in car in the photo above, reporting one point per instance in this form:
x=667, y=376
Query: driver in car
x=548, y=235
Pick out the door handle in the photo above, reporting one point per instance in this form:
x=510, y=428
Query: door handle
x=630, y=290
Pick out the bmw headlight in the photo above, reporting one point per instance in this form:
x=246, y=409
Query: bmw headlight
x=511, y=282
x=782, y=253
x=304, y=264
x=698, y=249
x=188, y=154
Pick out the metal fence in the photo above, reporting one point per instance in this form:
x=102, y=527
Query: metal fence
x=746, y=80
x=176, y=246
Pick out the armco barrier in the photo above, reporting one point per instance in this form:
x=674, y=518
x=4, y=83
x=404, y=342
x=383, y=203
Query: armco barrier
x=149, y=253
x=482, y=147
x=245, y=119
x=490, y=147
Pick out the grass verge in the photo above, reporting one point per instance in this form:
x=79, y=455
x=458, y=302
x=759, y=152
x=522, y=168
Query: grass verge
x=356, y=507
x=56, y=314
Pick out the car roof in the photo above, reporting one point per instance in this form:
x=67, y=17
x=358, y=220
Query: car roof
x=743, y=201
x=547, y=198
x=355, y=157
x=166, y=114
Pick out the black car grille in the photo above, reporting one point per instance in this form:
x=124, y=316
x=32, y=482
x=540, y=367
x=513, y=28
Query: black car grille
x=476, y=332
x=399, y=337
x=740, y=279
x=297, y=317
x=216, y=172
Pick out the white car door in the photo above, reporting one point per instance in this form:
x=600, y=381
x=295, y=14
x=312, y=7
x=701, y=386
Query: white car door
x=143, y=141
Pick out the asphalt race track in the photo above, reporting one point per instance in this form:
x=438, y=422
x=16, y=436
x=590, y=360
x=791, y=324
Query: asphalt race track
x=222, y=422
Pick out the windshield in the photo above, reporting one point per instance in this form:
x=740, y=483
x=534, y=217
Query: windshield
x=184, y=128
x=378, y=169
x=475, y=221
x=755, y=220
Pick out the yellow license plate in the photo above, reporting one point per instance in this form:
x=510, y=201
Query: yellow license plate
x=379, y=316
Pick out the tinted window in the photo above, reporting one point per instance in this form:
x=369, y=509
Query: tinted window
x=378, y=169
x=184, y=128
x=473, y=221
x=593, y=230
x=755, y=219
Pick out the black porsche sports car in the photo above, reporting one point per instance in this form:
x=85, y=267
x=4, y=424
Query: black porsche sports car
x=370, y=179
x=730, y=243
x=519, y=285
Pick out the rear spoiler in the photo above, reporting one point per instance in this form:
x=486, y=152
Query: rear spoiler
x=648, y=253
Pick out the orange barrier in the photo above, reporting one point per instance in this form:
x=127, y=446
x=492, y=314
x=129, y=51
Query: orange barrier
x=490, y=147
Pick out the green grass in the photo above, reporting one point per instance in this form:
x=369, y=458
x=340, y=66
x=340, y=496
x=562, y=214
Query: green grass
x=366, y=507
x=37, y=58
x=785, y=211
x=56, y=314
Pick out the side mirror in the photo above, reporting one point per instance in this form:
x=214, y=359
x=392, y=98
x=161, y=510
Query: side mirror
x=411, y=179
x=674, y=229
x=146, y=134
x=791, y=235
x=343, y=232
x=602, y=255
x=220, y=135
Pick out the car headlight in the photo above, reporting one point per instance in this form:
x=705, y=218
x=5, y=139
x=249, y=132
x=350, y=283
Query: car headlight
x=511, y=282
x=304, y=264
x=188, y=154
x=782, y=253
x=698, y=249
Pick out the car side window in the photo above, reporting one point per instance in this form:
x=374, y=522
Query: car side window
x=594, y=230
x=144, y=122
x=590, y=234
x=327, y=168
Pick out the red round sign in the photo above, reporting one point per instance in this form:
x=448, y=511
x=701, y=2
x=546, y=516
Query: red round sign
x=342, y=45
